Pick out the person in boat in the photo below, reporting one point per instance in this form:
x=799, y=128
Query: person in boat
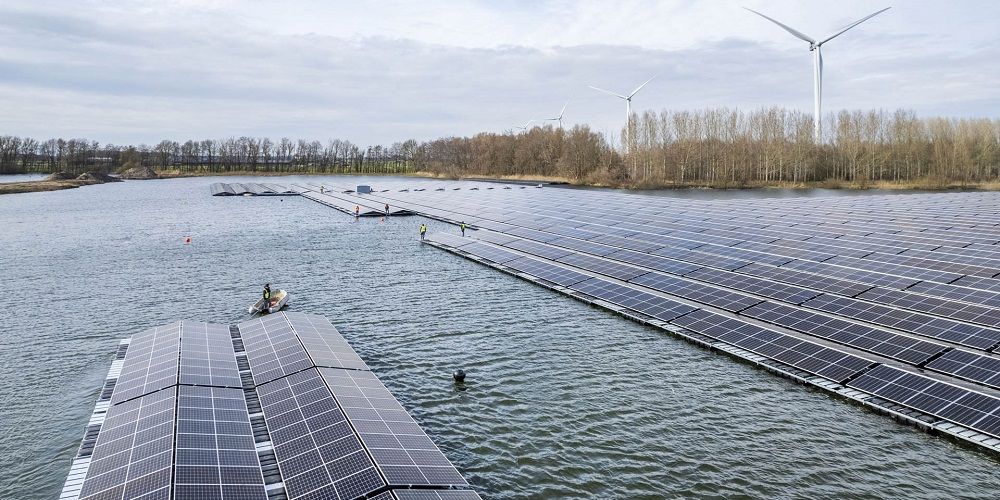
x=462, y=227
x=423, y=231
x=267, y=295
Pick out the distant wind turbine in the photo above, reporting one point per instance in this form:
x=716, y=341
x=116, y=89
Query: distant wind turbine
x=628, y=106
x=525, y=126
x=815, y=47
x=558, y=118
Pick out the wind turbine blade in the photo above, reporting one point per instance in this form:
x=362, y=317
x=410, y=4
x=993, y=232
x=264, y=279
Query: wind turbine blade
x=608, y=92
x=855, y=23
x=562, y=111
x=793, y=31
x=637, y=89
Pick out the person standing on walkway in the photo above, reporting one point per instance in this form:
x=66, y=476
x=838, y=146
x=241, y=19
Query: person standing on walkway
x=357, y=211
x=423, y=231
x=462, y=227
x=386, y=209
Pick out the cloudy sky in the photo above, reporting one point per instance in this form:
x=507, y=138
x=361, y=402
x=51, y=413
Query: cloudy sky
x=141, y=71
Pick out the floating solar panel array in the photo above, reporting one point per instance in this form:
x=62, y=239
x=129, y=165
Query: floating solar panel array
x=277, y=407
x=832, y=287
x=250, y=189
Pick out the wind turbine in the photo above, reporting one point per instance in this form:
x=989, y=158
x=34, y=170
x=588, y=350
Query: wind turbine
x=815, y=48
x=558, y=118
x=524, y=127
x=628, y=105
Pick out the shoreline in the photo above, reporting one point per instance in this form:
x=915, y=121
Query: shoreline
x=919, y=185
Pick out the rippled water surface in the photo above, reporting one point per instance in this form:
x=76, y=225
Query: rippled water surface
x=562, y=400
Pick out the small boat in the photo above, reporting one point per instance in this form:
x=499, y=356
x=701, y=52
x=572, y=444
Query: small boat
x=278, y=300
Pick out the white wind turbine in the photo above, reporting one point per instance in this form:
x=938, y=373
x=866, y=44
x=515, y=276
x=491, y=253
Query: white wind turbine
x=628, y=106
x=524, y=127
x=558, y=118
x=815, y=47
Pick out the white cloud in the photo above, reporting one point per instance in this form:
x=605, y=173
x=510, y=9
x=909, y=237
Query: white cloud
x=143, y=71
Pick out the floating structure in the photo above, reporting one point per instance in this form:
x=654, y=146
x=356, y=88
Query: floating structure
x=889, y=301
x=278, y=407
x=250, y=189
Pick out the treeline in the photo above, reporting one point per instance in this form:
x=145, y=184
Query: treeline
x=714, y=147
x=243, y=154
x=727, y=147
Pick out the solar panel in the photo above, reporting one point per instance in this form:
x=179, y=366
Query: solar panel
x=637, y=300
x=549, y=272
x=805, y=279
x=272, y=348
x=956, y=268
x=852, y=274
x=437, y=495
x=216, y=455
x=583, y=246
x=895, y=269
x=451, y=239
x=207, y=356
x=324, y=344
x=490, y=236
x=962, y=406
x=491, y=253
x=134, y=450
x=318, y=453
x=701, y=258
x=536, y=248
x=654, y=262
x=969, y=365
x=628, y=243
x=802, y=354
x=959, y=293
x=400, y=449
x=923, y=324
x=603, y=266
x=972, y=313
x=705, y=294
x=766, y=288
x=531, y=234
x=844, y=332
x=150, y=363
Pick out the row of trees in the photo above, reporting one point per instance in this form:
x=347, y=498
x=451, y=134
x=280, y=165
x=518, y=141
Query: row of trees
x=244, y=154
x=717, y=147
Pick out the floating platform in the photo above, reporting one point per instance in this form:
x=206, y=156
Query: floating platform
x=892, y=301
x=250, y=189
x=278, y=407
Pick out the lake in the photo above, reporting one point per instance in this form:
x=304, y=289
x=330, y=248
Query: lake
x=562, y=400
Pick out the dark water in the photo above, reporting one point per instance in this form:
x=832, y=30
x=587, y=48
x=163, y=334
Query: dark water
x=562, y=400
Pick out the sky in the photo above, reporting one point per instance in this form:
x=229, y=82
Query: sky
x=140, y=71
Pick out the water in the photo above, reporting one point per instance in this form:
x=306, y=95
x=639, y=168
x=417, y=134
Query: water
x=9, y=178
x=562, y=400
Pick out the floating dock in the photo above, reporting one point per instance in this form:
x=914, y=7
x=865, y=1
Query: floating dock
x=278, y=407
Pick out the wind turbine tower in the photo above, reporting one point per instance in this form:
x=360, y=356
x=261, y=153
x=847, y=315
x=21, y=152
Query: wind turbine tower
x=816, y=48
x=628, y=107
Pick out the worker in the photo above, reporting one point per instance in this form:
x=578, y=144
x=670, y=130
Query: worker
x=423, y=231
x=357, y=211
x=322, y=189
x=387, y=209
x=267, y=295
x=462, y=227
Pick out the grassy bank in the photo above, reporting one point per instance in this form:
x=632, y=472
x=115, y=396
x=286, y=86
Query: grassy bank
x=43, y=185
